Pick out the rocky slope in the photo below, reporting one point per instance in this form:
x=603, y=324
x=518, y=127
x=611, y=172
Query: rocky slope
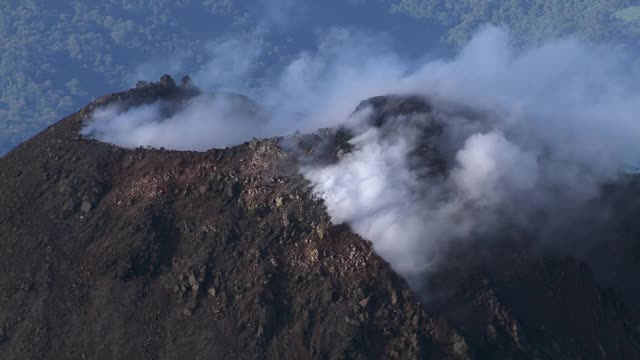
x=144, y=254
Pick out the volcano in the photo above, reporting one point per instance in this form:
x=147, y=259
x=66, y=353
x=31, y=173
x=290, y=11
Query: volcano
x=227, y=253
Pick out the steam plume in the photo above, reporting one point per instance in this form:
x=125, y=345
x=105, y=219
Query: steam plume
x=558, y=121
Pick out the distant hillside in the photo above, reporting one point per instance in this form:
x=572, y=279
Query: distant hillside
x=530, y=20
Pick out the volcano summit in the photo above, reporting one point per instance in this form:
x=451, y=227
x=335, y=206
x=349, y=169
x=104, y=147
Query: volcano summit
x=290, y=247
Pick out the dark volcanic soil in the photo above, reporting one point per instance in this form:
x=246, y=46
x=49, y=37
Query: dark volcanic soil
x=108, y=253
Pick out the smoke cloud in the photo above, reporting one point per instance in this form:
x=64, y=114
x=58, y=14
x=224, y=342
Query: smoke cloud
x=551, y=124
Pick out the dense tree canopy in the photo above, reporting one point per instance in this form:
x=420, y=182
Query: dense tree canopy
x=530, y=20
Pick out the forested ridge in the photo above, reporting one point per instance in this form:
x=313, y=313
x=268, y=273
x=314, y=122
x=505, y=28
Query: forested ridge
x=531, y=20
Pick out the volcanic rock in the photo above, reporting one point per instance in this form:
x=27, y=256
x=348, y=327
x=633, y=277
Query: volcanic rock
x=127, y=282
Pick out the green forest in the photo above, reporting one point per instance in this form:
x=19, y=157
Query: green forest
x=531, y=21
x=55, y=56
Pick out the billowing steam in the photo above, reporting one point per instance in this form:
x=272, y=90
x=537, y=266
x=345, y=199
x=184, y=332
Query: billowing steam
x=554, y=122
x=316, y=89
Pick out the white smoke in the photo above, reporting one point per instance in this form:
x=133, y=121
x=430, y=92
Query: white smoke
x=373, y=189
x=315, y=89
x=220, y=119
x=560, y=119
x=490, y=168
